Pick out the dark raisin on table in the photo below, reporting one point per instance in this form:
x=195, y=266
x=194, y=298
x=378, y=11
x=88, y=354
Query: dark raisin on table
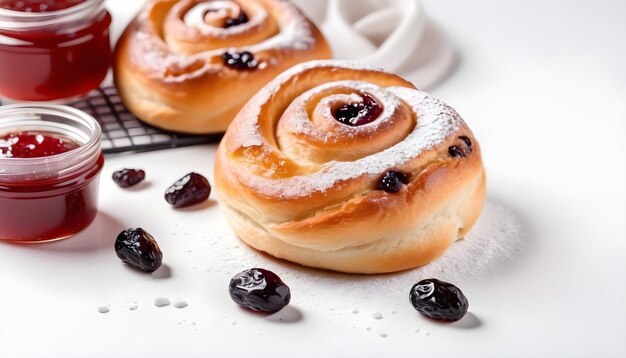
x=139, y=249
x=191, y=189
x=439, y=300
x=128, y=177
x=259, y=290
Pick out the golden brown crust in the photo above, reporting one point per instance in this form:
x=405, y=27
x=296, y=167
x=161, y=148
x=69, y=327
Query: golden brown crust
x=171, y=74
x=305, y=207
x=401, y=251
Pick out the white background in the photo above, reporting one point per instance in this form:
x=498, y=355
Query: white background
x=543, y=87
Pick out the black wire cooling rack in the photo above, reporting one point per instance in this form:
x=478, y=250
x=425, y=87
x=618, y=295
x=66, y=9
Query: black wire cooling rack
x=123, y=132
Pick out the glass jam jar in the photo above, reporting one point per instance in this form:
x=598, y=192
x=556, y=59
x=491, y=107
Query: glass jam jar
x=48, y=183
x=52, y=49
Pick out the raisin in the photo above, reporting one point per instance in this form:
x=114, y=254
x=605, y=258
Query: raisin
x=259, y=290
x=467, y=141
x=128, y=177
x=191, y=189
x=461, y=150
x=241, y=19
x=439, y=300
x=240, y=60
x=392, y=181
x=456, y=151
x=138, y=249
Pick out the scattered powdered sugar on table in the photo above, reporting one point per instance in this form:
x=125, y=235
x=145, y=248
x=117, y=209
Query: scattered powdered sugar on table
x=180, y=304
x=103, y=309
x=495, y=239
x=161, y=301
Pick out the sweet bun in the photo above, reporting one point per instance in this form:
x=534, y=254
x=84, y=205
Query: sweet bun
x=189, y=65
x=341, y=166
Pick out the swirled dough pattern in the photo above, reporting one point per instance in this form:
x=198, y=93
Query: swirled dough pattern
x=189, y=65
x=299, y=184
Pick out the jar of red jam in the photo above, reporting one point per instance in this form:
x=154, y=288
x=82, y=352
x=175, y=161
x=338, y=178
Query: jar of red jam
x=50, y=161
x=52, y=50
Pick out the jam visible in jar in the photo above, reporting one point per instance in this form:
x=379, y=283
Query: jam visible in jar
x=51, y=161
x=38, y=5
x=33, y=145
x=52, y=49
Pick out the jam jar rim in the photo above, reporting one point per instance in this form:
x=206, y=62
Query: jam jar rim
x=14, y=20
x=56, y=165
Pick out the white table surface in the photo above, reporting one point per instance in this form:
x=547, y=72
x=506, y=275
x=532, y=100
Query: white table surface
x=543, y=87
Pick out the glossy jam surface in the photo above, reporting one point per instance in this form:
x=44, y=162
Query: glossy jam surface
x=54, y=62
x=358, y=113
x=38, y=5
x=33, y=145
x=49, y=208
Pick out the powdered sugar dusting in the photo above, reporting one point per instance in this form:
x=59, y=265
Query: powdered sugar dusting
x=197, y=15
x=295, y=32
x=247, y=121
x=437, y=123
x=149, y=50
x=300, y=123
x=492, y=244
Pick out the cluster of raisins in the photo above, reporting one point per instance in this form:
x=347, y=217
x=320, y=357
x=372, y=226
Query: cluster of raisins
x=189, y=190
x=135, y=246
x=260, y=289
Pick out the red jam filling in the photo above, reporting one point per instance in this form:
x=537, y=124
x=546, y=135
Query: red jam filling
x=358, y=113
x=33, y=145
x=58, y=61
x=38, y=5
x=46, y=208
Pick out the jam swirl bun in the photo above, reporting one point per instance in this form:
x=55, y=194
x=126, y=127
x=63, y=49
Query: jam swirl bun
x=345, y=167
x=189, y=65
